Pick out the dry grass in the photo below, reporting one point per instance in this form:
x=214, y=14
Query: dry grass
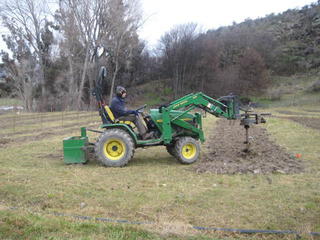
x=154, y=187
x=10, y=102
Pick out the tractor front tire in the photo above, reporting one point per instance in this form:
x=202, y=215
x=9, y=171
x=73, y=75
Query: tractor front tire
x=187, y=150
x=114, y=148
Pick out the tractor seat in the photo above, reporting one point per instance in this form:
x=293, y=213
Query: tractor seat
x=114, y=120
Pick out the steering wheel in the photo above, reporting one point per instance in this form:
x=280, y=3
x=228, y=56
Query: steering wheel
x=141, y=109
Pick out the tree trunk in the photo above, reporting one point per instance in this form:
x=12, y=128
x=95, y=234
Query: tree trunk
x=44, y=97
x=176, y=83
x=72, y=86
x=115, y=73
x=113, y=80
x=83, y=78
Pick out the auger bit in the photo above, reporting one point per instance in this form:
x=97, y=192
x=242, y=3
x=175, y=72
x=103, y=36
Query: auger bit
x=249, y=118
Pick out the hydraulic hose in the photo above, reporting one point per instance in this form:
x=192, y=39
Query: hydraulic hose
x=233, y=230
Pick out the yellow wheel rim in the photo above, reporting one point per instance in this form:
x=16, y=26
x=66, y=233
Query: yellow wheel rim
x=189, y=150
x=114, y=149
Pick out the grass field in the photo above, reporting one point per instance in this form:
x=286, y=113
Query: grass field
x=152, y=188
x=10, y=102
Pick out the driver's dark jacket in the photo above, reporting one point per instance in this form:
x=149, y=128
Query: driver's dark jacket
x=118, y=107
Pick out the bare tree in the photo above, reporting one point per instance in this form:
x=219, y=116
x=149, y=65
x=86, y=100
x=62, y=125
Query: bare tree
x=30, y=39
x=27, y=18
x=71, y=48
x=23, y=75
x=180, y=55
x=253, y=75
x=80, y=22
x=120, y=38
x=108, y=23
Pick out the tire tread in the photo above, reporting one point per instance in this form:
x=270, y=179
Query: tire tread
x=125, y=137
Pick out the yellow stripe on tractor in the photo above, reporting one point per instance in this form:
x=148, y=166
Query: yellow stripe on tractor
x=184, y=119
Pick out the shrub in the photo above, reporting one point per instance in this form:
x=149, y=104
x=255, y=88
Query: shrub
x=167, y=91
x=315, y=87
x=275, y=95
x=245, y=100
x=3, y=93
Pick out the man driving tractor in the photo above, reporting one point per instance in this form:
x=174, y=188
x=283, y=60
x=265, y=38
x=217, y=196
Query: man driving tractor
x=120, y=112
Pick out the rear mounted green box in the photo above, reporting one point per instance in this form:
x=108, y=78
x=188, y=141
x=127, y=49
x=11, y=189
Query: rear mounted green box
x=74, y=148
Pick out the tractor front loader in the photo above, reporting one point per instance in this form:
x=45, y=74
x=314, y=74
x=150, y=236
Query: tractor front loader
x=176, y=125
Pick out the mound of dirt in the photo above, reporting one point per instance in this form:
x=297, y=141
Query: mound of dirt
x=225, y=152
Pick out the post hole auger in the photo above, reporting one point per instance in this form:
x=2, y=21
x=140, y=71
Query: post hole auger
x=249, y=118
x=176, y=125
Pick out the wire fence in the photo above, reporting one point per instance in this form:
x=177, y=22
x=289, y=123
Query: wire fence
x=15, y=121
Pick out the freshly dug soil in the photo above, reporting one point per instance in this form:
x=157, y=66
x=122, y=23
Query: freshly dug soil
x=306, y=121
x=225, y=152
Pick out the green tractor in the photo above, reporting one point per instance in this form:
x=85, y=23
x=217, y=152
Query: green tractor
x=175, y=125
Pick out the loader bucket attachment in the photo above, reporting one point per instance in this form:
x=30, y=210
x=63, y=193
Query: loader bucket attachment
x=74, y=148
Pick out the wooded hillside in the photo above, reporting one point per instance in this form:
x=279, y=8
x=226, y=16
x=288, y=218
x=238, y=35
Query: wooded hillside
x=55, y=59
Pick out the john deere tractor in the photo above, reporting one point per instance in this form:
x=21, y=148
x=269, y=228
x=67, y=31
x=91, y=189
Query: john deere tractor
x=175, y=125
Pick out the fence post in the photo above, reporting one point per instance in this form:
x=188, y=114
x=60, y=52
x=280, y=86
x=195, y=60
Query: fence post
x=41, y=119
x=62, y=119
x=14, y=122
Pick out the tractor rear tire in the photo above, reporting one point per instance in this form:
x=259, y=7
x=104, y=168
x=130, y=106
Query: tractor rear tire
x=187, y=150
x=114, y=148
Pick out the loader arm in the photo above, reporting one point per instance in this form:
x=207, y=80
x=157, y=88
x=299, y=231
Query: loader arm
x=226, y=107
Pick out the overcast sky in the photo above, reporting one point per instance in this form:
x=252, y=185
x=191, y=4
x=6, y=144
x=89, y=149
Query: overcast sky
x=162, y=15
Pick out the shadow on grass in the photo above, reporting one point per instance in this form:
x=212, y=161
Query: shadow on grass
x=139, y=161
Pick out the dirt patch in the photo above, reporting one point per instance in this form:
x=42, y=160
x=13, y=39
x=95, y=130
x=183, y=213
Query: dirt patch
x=290, y=113
x=225, y=155
x=298, y=113
x=52, y=156
x=4, y=141
x=314, y=110
x=306, y=121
